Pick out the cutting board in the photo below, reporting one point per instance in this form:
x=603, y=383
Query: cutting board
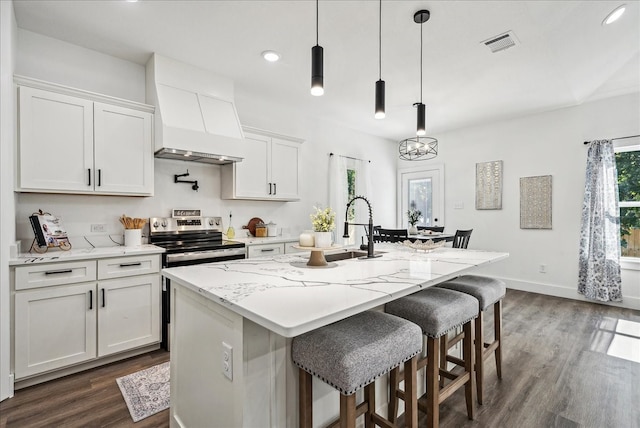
x=252, y=225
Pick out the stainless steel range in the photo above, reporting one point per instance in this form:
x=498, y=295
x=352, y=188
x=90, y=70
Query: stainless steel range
x=189, y=239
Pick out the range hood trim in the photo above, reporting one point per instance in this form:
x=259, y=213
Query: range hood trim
x=189, y=156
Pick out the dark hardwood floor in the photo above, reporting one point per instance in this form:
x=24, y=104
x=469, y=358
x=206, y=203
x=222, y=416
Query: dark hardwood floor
x=556, y=373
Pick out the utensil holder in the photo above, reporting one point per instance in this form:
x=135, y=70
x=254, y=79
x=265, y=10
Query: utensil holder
x=132, y=237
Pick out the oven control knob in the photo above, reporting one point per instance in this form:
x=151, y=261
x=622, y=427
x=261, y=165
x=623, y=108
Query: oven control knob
x=164, y=223
x=155, y=224
x=210, y=222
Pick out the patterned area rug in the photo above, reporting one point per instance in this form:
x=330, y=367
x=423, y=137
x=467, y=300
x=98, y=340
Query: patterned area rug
x=146, y=392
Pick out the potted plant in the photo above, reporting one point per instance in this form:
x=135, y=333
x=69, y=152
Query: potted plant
x=323, y=222
x=414, y=217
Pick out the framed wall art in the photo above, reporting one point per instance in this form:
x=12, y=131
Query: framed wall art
x=489, y=185
x=535, y=202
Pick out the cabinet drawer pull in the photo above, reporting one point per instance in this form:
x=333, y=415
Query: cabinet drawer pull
x=267, y=250
x=89, y=170
x=130, y=264
x=90, y=300
x=275, y=188
x=99, y=177
x=104, y=300
x=270, y=188
x=55, y=272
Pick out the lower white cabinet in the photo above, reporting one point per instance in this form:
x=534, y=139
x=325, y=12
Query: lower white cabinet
x=262, y=250
x=60, y=324
x=54, y=327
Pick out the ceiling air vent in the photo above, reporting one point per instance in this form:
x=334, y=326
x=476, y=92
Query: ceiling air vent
x=501, y=42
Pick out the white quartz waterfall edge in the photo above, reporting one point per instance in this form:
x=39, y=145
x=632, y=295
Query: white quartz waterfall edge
x=146, y=392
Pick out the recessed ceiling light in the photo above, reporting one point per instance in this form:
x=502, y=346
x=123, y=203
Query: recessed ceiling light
x=271, y=56
x=614, y=15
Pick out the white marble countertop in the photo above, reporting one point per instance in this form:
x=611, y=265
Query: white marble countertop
x=291, y=300
x=57, y=255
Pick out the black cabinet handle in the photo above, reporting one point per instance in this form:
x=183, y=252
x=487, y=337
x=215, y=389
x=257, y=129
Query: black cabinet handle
x=89, y=171
x=269, y=250
x=130, y=264
x=55, y=272
x=104, y=301
x=270, y=188
x=99, y=177
x=275, y=188
x=90, y=300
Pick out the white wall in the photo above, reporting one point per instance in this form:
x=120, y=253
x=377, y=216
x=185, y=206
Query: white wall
x=82, y=68
x=8, y=44
x=543, y=144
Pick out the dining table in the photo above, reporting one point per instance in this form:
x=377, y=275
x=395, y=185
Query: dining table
x=434, y=236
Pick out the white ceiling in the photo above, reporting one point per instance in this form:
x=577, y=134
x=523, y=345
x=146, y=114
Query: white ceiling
x=564, y=56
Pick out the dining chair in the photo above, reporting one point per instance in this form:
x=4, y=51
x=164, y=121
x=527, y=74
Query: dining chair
x=438, y=229
x=461, y=238
x=393, y=235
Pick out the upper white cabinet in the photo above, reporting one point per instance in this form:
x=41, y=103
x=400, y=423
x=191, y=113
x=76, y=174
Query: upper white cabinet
x=71, y=141
x=270, y=169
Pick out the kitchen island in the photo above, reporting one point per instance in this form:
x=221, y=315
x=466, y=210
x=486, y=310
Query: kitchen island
x=232, y=324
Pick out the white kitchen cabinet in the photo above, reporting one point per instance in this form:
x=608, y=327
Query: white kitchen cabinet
x=54, y=327
x=68, y=313
x=72, y=141
x=270, y=169
x=262, y=250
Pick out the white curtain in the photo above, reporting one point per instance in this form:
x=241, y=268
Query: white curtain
x=599, y=259
x=338, y=193
x=363, y=186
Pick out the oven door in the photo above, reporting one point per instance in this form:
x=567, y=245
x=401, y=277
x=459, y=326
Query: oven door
x=189, y=259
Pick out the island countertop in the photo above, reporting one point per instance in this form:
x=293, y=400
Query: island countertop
x=278, y=294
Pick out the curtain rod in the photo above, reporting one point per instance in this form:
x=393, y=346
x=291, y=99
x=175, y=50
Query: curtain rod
x=619, y=138
x=349, y=157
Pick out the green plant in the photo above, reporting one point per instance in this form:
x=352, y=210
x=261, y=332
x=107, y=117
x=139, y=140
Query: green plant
x=323, y=220
x=414, y=216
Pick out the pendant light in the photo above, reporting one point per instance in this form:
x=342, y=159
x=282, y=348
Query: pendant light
x=419, y=147
x=317, y=74
x=380, y=83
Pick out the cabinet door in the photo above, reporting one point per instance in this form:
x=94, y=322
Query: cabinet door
x=55, y=150
x=54, y=327
x=284, y=169
x=129, y=313
x=251, y=175
x=123, y=150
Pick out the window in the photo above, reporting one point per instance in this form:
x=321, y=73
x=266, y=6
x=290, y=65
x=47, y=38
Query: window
x=628, y=166
x=421, y=189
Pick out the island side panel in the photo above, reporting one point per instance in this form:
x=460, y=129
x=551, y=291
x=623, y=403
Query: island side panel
x=201, y=395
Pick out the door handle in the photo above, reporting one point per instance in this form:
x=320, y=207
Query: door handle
x=99, y=177
x=90, y=300
x=270, y=188
x=275, y=188
x=104, y=301
x=89, y=171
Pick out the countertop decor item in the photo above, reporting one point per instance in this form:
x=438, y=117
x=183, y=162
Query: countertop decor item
x=251, y=226
x=414, y=216
x=423, y=246
x=231, y=233
x=132, y=230
x=323, y=221
x=307, y=239
x=261, y=230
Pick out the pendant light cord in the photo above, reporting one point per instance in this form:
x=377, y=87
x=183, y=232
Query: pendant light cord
x=317, y=22
x=380, y=44
x=421, y=24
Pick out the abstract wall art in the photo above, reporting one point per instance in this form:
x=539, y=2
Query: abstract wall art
x=535, y=202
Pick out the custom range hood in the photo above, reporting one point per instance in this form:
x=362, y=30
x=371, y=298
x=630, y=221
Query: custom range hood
x=195, y=118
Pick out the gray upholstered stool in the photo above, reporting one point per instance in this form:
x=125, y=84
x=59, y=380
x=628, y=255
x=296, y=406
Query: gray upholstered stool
x=488, y=291
x=436, y=311
x=351, y=354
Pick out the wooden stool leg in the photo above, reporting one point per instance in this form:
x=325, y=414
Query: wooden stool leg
x=467, y=355
x=497, y=322
x=370, y=398
x=433, y=386
x=305, y=399
x=479, y=366
x=411, y=393
x=348, y=411
x=392, y=413
x=444, y=351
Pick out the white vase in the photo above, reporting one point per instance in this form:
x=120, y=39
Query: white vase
x=323, y=239
x=132, y=237
x=413, y=230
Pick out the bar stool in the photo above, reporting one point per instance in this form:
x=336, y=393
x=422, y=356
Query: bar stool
x=436, y=311
x=488, y=291
x=349, y=355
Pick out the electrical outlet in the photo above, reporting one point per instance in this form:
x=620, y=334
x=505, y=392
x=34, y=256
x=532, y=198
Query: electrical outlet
x=99, y=228
x=227, y=360
x=542, y=268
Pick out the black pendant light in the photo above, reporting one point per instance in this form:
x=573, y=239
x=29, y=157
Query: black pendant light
x=419, y=147
x=317, y=73
x=380, y=83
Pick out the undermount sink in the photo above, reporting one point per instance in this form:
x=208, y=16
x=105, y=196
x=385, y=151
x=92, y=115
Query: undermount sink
x=353, y=254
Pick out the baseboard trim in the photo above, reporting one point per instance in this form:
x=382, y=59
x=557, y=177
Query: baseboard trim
x=567, y=293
